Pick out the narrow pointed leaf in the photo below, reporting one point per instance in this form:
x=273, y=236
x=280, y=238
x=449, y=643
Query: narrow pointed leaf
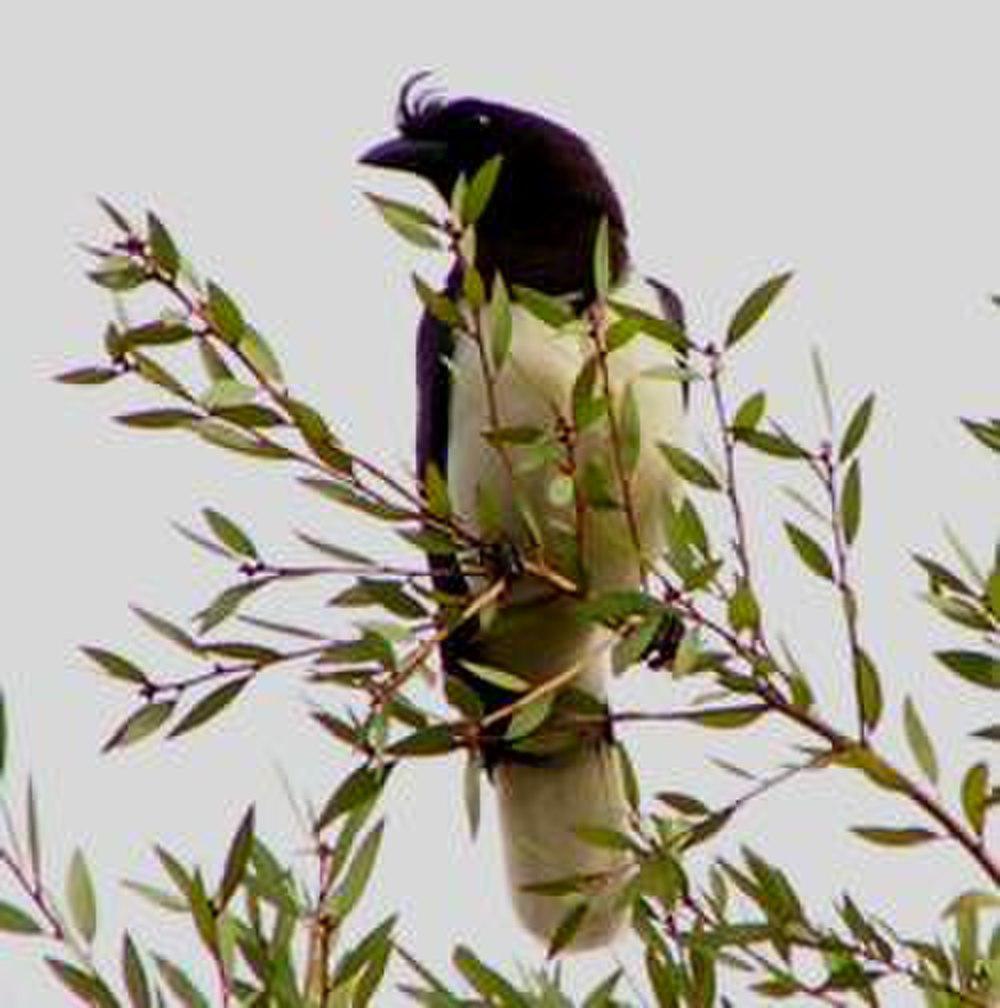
x=919, y=741
x=80, y=897
x=689, y=468
x=890, y=836
x=754, y=307
x=501, y=326
x=975, y=795
x=230, y=534
x=850, y=502
x=856, y=428
x=236, y=858
x=973, y=666
x=472, y=793
x=869, y=689
x=210, y=705
x=602, y=260
x=810, y=552
x=140, y=723
x=136, y=981
x=477, y=194
x=566, y=930
x=161, y=246
x=13, y=920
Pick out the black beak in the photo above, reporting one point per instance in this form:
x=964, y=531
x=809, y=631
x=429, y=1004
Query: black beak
x=421, y=157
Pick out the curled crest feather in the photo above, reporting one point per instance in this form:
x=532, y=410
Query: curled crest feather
x=414, y=107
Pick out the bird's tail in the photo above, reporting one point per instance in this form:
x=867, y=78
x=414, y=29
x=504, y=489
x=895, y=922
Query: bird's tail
x=542, y=805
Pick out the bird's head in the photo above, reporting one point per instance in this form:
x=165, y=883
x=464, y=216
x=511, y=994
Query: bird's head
x=541, y=222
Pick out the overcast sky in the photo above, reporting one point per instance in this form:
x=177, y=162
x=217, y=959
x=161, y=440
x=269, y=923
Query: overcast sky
x=854, y=143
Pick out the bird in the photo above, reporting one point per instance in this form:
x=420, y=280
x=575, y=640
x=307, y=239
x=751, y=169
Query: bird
x=550, y=202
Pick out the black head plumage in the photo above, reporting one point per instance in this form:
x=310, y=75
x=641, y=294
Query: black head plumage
x=552, y=192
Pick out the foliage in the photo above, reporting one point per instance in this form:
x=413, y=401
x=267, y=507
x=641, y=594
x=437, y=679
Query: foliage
x=275, y=938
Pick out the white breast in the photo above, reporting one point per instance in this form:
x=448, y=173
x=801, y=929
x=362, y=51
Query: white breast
x=533, y=387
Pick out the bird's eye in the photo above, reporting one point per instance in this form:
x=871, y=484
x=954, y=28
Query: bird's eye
x=483, y=120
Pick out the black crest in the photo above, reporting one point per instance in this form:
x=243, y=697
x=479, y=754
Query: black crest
x=417, y=105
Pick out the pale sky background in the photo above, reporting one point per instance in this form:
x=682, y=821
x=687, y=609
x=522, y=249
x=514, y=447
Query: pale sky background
x=855, y=143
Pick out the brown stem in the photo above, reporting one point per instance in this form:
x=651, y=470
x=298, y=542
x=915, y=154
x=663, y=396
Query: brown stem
x=596, y=322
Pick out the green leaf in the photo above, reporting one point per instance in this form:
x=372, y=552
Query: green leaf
x=15, y=921
x=210, y=705
x=567, y=929
x=987, y=433
x=473, y=289
x=528, y=718
x=751, y=411
x=744, y=611
x=140, y=723
x=819, y=373
x=34, y=835
x=941, y=576
x=975, y=796
x=993, y=591
x=346, y=896
x=224, y=315
x=887, y=836
x=230, y=534
x=621, y=332
x=156, y=334
x=136, y=982
x=226, y=603
x=919, y=741
x=85, y=986
x=856, y=427
x=439, y=305
x=118, y=273
x=501, y=325
x=477, y=194
x=153, y=371
x=754, y=306
x=161, y=246
x=486, y=981
x=600, y=996
x=548, y=309
x=361, y=785
x=688, y=467
x=472, y=793
x=630, y=429
x=810, y=552
x=738, y=717
x=778, y=445
x=433, y=741
x=157, y=419
x=256, y=350
x=180, y=984
x=117, y=217
x=87, y=376
x=165, y=628
x=850, y=502
x=237, y=857
x=116, y=666
x=602, y=260
x=497, y=677
x=80, y=897
x=683, y=803
x=972, y=666
x=868, y=688
x=411, y=222
x=659, y=328
x=522, y=434
x=389, y=595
